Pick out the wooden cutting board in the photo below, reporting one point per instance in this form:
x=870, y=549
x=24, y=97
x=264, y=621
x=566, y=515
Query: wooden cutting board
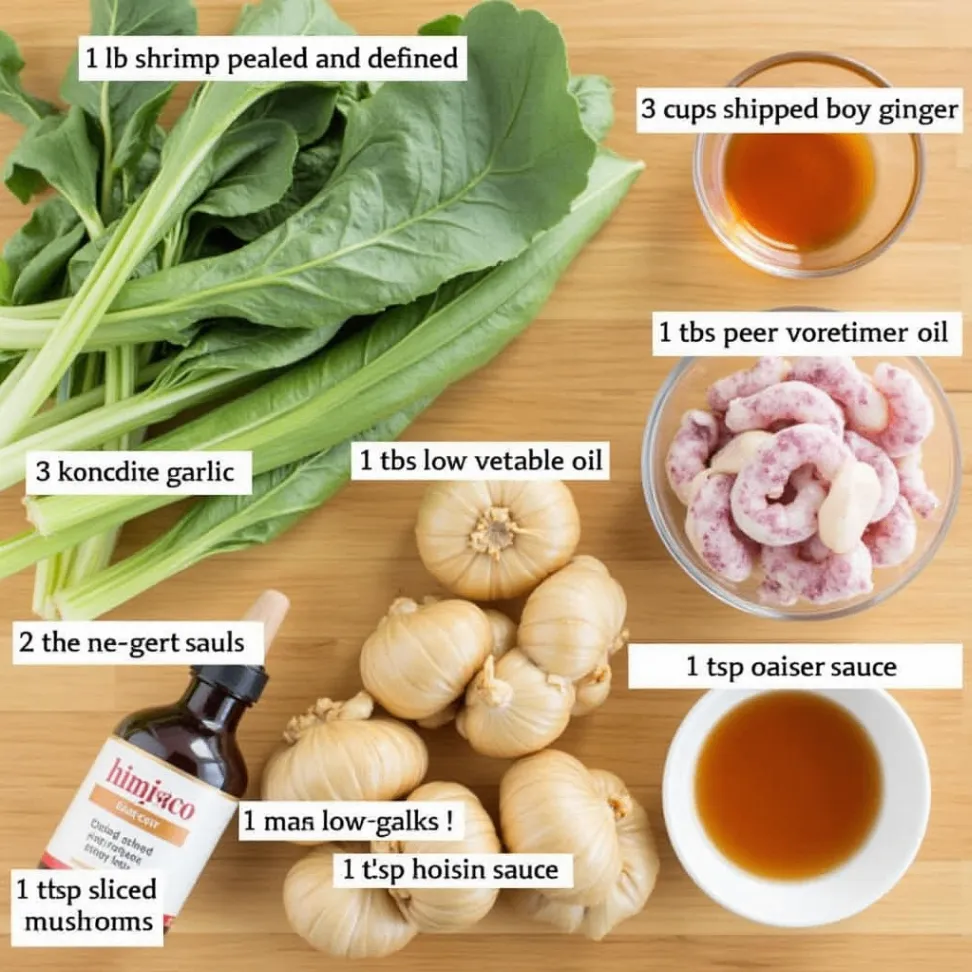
x=583, y=371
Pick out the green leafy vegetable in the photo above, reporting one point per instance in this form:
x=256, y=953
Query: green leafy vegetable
x=126, y=111
x=6, y=287
x=424, y=348
x=312, y=169
x=14, y=101
x=594, y=95
x=38, y=253
x=329, y=258
x=307, y=108
x=446, y=26
x=222, y=524
x=457, y=205
x=57, y=151
x=187, y=163
x=252, y=168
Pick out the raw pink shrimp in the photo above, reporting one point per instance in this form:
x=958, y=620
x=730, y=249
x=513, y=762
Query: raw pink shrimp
x=694, y=442
x=726, y=435
x=772, y=592
x=815, y=550
x=843, y=381
x=913, y=486
x=912, y=414
x=790, y=401
x=767, y=371
x=836, y=578
x=712, y=533
x=892, y=540
x=766, y=475
x=866, y=451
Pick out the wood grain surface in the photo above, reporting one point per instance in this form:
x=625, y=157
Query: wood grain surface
x=583, y=371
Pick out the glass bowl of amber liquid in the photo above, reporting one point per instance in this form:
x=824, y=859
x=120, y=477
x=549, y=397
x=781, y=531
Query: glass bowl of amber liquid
x=815, y=204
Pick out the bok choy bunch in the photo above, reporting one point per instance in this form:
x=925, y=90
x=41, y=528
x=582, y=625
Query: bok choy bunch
x=307, y=264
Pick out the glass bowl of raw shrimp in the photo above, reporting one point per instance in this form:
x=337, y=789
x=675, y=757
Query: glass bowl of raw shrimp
x=686, y=388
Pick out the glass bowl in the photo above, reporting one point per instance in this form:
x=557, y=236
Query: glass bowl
x=899, y=169
x=685, y=389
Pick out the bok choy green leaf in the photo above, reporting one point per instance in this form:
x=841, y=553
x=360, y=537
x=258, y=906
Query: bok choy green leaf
x=186, y=169
x=330, y=398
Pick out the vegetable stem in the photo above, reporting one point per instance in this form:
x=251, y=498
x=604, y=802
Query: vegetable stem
x=107, y=168
x=94, y=554
x=81, y=404
x=220, y=524
x=137, y=232
x=97, y=426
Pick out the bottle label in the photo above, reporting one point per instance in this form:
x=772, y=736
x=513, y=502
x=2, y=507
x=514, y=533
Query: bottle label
x=134, y=810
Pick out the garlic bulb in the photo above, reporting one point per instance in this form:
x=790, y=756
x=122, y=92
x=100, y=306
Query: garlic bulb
x=338, y=752
x=550, y=803
x=593, y=689
x=447, y=909
x=574, y=619
x=514, y=708
x=495, y=540
x=375, y=922
x=504, y=632
x=344, y=922
x=421, y=657
x=629, y=894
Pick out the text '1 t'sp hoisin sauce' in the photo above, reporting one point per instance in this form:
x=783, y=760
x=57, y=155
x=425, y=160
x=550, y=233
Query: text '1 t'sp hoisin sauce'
x=800, y=191
x=166, y=783
x=788, y=785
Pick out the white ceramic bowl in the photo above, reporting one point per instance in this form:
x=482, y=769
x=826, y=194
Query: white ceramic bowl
x=873, y=871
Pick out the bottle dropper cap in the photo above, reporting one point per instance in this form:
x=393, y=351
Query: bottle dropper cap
x=247, y=682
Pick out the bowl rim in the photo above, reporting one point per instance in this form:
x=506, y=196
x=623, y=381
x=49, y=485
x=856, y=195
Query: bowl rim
x=674, y=547
x=676, y=824
x=797, y=273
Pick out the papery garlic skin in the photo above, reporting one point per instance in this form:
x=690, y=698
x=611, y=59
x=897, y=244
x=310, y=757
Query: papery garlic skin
x=337, y=751
x=343, y=922
x=440, y=910
x=551, y=804
x=630, y=892
x=504, y=632
x=513, y=707
x=593, y=689
x=493, y=540
x=574, y=619
x=421, y=657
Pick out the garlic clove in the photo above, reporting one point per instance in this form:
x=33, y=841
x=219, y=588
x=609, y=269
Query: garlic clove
x=627, y=896
x=504, y=632
x=492, y=541
x=343, y=922
x=573, y=619
x=593, y=689
x=421, y=657
x=512, y=707
x=551, y=804
x=441, y=718
x=339, y=751
x=439, y=910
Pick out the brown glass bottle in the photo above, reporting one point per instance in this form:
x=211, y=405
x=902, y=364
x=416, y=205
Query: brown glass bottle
x=197, y=734
x=196, y=738
x=165, y=785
